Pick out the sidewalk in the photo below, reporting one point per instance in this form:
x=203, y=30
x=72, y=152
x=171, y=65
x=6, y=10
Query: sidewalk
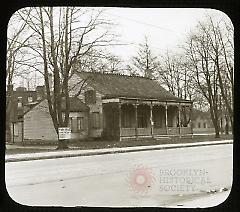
x=76, y=153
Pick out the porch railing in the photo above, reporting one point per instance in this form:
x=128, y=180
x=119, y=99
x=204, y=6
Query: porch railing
x=159, y=131
x=144, y=131
x=173, y=130
x=156, y=131
x=186, y=130
x=128, y=132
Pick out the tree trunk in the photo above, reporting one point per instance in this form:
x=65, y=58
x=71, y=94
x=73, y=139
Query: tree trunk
x=227, y=126
x=217, y=135
x=217, y=128
x=215, y=121
x=62, y=144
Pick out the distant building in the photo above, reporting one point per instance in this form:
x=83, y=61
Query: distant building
x=21, y=100
x=202, y=122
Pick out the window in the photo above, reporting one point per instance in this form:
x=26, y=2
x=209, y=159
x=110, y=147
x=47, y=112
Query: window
x=205, y=125
x=90, y=97
x=95, y=120
x=199, y=125
x=30, y=99
x=19, y=103
x=76, y=124
x=80, y=123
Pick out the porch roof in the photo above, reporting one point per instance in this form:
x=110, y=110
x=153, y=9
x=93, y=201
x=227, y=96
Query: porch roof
x=123, y=86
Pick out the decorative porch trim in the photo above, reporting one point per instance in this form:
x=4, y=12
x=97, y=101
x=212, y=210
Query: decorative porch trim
x=110, y=100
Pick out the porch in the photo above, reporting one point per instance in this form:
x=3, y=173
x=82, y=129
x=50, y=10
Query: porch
x=134, y=119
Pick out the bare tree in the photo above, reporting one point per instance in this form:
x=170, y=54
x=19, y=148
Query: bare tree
x=145, y=63
x=64, y=36
x=17, y=40
x=174, y=74
x=114, y=64
x=101, y=61
x=170, y=74
x=222, y=51
x=210, y=51
x=206, y=78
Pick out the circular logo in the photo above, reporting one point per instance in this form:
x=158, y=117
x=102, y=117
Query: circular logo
x=140, y=179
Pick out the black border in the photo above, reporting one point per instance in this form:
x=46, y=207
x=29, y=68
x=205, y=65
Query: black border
x=229, y=7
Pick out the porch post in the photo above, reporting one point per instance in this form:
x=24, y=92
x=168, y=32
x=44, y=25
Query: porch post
x=22, y=133
x=191, y=124
x=136, y=120
x=13, y=132
x=179, y=119
x=120, y=120
x=151, y=119
x=166, y=118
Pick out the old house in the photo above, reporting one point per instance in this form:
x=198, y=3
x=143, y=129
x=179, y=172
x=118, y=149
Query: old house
x=37, y=122
x=113, y=106
x=202, y=122
x=19, y=101
x=129, y=107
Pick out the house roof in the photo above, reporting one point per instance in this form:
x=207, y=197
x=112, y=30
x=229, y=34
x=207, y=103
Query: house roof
x=76, y=105
x=118, y=85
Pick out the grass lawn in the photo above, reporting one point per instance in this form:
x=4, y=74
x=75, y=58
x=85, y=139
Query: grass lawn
x=110, y=144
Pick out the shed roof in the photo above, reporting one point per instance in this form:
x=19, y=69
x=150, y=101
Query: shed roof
x=118, y=85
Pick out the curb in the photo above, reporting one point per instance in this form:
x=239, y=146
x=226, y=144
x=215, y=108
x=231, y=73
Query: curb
x=73, y=153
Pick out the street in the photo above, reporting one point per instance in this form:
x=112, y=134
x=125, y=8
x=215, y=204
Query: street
x=146, y=178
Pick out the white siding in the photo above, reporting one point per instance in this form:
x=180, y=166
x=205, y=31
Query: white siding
x=38, y=123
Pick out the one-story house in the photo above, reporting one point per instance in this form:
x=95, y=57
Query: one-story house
x=129, y=107
x=36, y=123
x=114, y=107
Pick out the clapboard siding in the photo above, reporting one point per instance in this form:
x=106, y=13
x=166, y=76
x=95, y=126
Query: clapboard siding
x=38, y=124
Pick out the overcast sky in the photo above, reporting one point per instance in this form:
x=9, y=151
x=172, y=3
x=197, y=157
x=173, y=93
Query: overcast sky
x=165, y=28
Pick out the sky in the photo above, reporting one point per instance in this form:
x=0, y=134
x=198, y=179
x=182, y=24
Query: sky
x=165, y=28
